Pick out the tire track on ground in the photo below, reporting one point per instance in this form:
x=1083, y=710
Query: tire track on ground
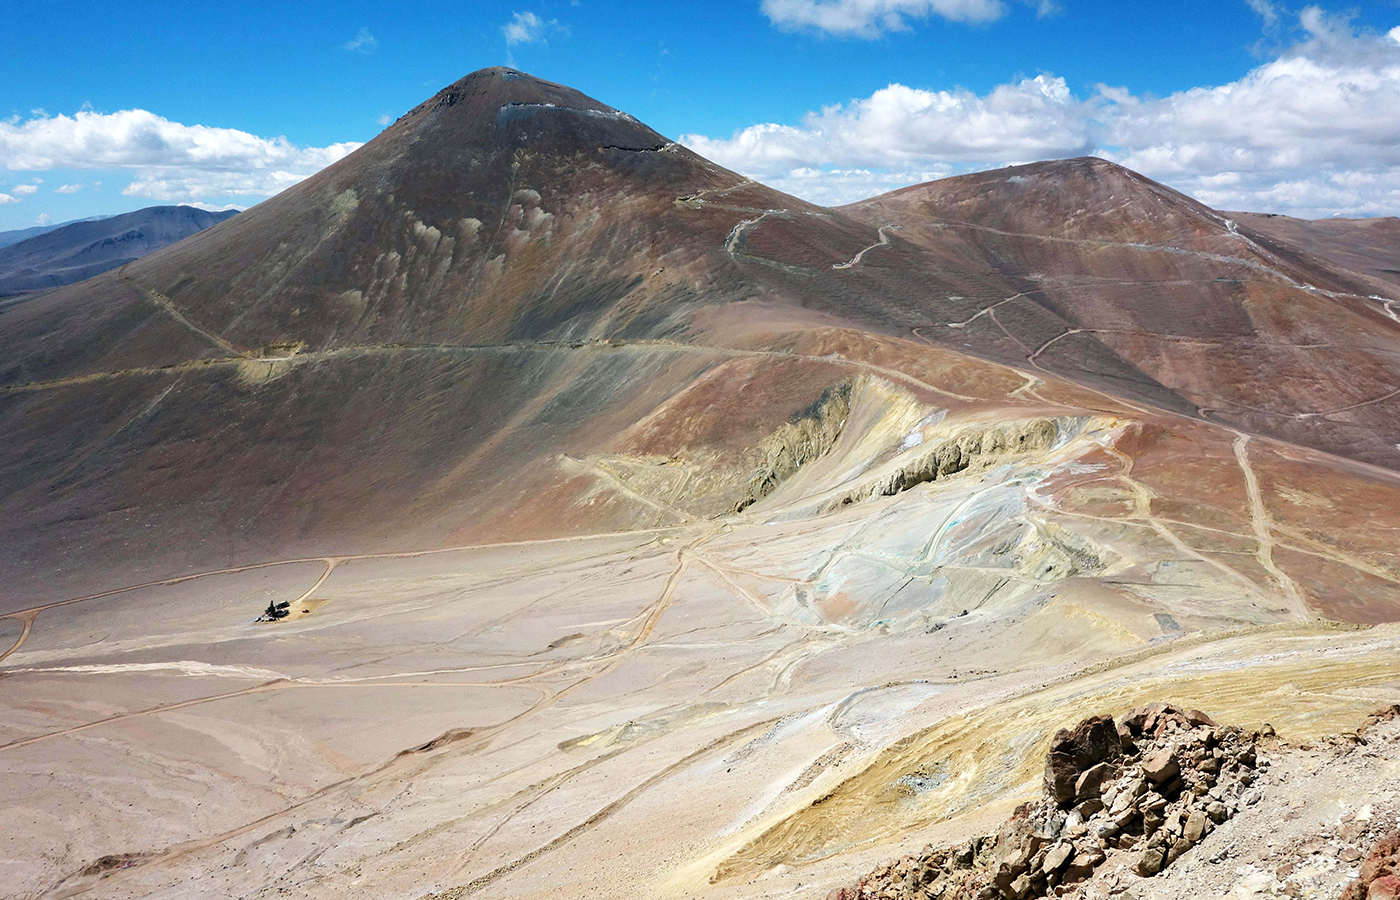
x=170, y=309
x=477, y=884
x=1259, y=518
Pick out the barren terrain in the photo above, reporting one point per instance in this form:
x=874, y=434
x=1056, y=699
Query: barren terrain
x=645, y=532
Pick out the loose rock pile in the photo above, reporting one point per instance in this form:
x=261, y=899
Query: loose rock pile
x=1380, y=873
x=1152, y=784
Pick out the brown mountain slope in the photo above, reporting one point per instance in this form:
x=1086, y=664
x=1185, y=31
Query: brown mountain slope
x=1251, y=332
x=513, y=273
x=1368, y=247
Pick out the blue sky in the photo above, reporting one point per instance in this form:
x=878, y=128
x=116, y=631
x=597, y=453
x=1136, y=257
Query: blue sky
x=110, y=107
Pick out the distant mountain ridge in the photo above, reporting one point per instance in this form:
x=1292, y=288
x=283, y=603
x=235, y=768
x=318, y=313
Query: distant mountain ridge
x=23, y=234
x=80, y=250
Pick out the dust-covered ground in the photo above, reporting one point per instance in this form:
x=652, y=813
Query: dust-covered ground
x=752, y=706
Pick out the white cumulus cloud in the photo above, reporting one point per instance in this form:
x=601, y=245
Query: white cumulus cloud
x=872, y=18
x=525, y=28
x=68, y=189
x=25, y=190
x=171, y=161
x=1313, y=131
x=1031, y=119
x=213, y=207
x=7, y=198
x=362, y=42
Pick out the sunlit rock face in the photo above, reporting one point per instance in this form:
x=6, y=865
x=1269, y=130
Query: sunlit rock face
x=616, y=520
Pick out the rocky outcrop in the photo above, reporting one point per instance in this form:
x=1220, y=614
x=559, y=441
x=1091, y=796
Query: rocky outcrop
x=972, y=449
x=1151, y=784
x=1385, y=714
x=1081, y=758
x=808, y=436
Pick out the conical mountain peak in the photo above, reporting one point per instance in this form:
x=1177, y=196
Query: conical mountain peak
x=499, y=85
x=503, y=107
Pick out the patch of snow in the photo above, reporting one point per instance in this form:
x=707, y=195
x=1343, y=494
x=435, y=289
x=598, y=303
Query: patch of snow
x=613, y=114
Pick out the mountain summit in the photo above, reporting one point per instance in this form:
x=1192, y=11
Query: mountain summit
x=500, y=108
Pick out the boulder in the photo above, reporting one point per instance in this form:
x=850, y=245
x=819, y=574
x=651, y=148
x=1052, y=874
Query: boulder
x=1387, y=887
x=1091, y=781
x=1004, y=876
x=1060, y=776
x=1150, y=862
x=1198, y=718
x=1157, y=717
x=1082, y=865
x=1125, y=738
x=1195, y=827
x=1126, y=798
x=1161, y=766
x=1379, y=878
x=1136, y=718
x=1073, y=751
x=1057, y=856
